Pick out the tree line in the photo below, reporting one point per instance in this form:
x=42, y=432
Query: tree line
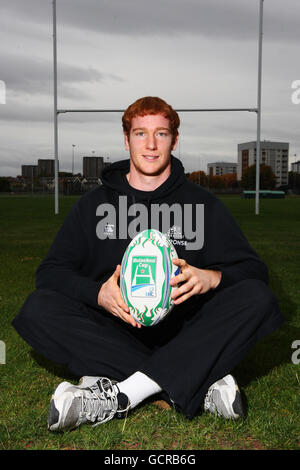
x=227, y=181
x=248, y=181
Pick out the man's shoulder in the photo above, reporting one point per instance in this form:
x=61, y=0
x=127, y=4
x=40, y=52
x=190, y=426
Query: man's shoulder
x=94, y=195
x=197, y=192
x=87, y=204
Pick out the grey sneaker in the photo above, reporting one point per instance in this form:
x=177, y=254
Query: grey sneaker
x=73, y=405
x=88, y=381
x=224, y=399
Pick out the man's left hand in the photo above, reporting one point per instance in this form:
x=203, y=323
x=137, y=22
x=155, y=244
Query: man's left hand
x=194, y=281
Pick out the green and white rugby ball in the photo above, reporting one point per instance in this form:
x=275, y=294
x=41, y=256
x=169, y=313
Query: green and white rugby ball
x=146, y=270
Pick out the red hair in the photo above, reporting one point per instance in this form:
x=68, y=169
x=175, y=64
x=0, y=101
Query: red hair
x=150, y=105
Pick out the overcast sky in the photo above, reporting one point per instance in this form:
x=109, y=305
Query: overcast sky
x=192, y=53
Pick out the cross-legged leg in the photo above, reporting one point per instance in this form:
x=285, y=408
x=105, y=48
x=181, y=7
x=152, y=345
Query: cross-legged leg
x=196, y=345
x=87, y=341
x=212, y=340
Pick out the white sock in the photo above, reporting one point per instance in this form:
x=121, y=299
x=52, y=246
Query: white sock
x=138, y=387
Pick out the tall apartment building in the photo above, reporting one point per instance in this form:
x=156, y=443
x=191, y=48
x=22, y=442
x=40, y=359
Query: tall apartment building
x=274, y=154
x=29, y=171
x=296, y=167
x=221, y=168
x=92, y=167
x=45, y=167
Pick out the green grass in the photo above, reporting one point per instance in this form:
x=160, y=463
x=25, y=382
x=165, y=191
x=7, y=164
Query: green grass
x=268, y=378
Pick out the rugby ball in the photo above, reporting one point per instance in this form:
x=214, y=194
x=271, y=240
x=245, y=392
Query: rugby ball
x=146, y=270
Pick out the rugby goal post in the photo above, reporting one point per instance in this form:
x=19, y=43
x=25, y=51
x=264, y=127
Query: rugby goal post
x=256, y=109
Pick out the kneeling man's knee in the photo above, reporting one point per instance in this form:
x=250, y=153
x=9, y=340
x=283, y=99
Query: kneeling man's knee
x=258, y=294
x=34, y=306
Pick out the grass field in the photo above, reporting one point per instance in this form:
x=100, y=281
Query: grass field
x=268, y=377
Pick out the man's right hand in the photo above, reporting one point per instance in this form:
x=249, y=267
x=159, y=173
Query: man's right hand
x=110, y=298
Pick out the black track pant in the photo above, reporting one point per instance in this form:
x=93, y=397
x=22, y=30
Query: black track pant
x=200, y=342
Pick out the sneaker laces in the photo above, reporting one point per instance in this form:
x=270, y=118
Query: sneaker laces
x=209, y=403
x=99, y=402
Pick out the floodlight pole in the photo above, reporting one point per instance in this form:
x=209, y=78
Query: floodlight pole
x=73, y=145
x=258, y=146
x=55, y=114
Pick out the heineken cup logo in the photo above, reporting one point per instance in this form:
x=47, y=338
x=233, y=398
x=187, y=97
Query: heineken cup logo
x=143, y=276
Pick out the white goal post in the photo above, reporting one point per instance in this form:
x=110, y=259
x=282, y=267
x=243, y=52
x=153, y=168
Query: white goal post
x=256, y=109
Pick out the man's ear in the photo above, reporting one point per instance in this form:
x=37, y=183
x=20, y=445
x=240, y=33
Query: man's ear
x=126, y=141
x=174, y=146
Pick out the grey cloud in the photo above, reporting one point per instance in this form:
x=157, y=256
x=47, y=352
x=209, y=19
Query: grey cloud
x=234, y=19
x=25, y=113
x=10, y=161
x=35, y=76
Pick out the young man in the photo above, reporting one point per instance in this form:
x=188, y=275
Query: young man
x=77, y=316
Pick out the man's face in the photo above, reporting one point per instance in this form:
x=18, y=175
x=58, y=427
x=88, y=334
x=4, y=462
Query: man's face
x=150, y=143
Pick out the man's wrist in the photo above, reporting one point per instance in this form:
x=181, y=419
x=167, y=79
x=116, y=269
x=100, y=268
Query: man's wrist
x=215, y=279
x=98, y=298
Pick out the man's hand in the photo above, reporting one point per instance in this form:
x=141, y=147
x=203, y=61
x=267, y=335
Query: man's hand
x=110, y=298
x=194, y=281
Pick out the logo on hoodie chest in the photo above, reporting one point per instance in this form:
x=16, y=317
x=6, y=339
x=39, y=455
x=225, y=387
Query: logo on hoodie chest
x=182, y=223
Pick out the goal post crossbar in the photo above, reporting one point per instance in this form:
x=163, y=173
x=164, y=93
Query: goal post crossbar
x=192, y=110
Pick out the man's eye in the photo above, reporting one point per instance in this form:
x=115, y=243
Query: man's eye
x=162, y=134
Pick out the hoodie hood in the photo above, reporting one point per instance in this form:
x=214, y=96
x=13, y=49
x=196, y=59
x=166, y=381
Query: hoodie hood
x=114, y=177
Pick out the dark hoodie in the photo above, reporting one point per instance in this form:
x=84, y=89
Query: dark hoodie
x=96, y=232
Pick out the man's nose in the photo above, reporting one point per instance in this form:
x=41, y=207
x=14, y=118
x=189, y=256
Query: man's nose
x=151, y=141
